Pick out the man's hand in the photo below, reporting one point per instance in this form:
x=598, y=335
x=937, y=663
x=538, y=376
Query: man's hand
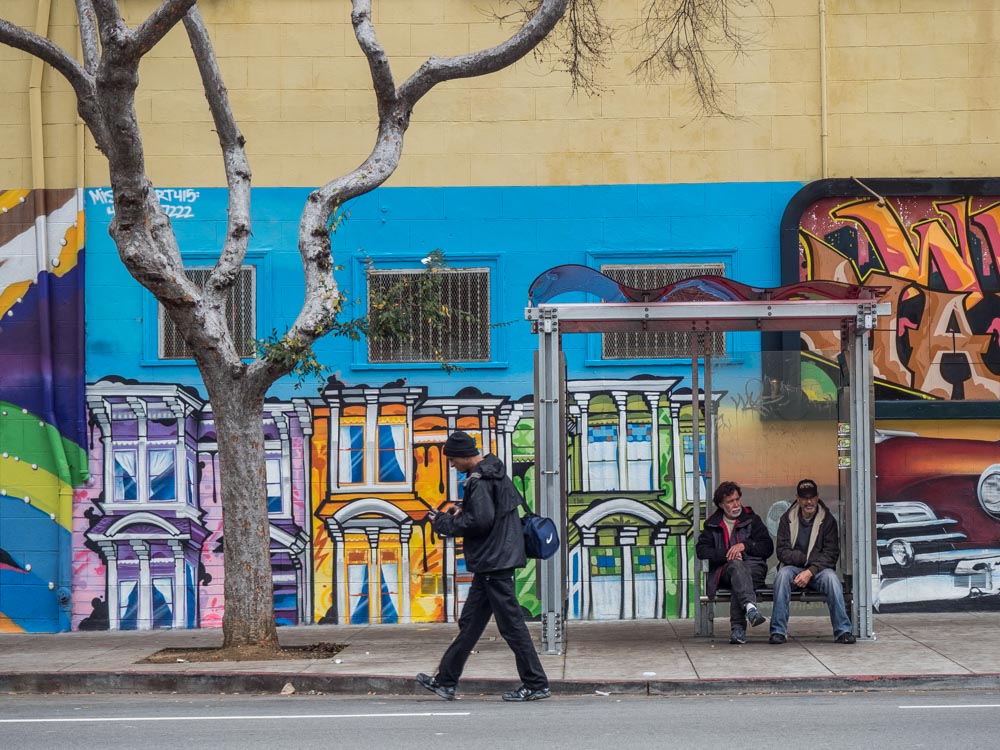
x=454, y=510
x=803, y=578
x=735, y=552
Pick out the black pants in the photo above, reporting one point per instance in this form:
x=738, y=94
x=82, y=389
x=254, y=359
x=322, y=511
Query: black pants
x=742, y=577
x=493, y=594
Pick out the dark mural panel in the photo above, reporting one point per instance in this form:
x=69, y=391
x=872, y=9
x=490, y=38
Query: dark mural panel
x=934, y=245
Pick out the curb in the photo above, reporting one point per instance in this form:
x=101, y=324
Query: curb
x=273, y=682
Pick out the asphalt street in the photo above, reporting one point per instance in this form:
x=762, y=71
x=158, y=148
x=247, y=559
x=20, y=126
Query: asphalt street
x=221, y=722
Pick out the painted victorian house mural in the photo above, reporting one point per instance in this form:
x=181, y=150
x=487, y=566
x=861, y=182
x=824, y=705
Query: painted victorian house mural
x=150, y=548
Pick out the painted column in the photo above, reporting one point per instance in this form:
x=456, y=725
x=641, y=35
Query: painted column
x=408, y=453
x=145, y=614
x=374, y=577
x=304, y=415
x=405, y=531
x=281, y=422
x=371, y=437
x=621, y=398
x=653, y=397
x=588, y=540
x=333, y=459
x=142, y=457
x=451, y=414
x=583, y=402
x=340, y=593
x=180, y=583
x=110, y=552
x=505, y=441
x=450, y=592
x=677, y=449
x=626, y=539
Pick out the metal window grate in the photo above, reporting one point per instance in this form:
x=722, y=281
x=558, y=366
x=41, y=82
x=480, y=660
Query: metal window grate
x=464, y=338
x=240, y=313
x=657, y=344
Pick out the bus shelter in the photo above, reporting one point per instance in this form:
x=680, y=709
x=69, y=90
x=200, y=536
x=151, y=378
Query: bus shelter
x=702, y=306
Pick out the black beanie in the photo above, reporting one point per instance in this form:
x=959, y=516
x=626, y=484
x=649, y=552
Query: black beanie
x=460, y=445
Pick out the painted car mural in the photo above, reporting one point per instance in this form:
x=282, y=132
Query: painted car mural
x=937, y=521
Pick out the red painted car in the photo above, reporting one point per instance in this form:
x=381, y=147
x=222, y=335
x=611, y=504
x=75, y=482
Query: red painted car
x=937, y=519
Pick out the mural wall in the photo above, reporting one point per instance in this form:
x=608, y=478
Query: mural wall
x=350, y=540
x=938, y=478
x=42, y=420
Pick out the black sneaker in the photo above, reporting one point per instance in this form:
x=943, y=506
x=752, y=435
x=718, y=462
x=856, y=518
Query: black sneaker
x=738, y=635
x=432, y=684
x=846, y=637
x=754, y=617
x=525, y=693
x=777, y=638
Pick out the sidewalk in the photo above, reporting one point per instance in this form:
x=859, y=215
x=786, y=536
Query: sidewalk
x=647, y=657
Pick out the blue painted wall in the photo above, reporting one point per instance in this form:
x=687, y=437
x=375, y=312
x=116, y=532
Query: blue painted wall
x=517, y=232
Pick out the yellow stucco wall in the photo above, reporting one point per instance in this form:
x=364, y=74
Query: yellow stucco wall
x=913, y=90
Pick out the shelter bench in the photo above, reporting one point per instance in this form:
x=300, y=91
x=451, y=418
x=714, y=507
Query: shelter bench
x=766, y=594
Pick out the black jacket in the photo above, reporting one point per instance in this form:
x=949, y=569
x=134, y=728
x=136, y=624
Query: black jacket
x=824, y=542
x=490, y=527
x=711, y=545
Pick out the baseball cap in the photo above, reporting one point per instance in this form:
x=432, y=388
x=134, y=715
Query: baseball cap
x=806, y=489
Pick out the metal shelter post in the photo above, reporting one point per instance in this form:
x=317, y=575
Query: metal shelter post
x=549, y=484
x=861, y=475
x=702, y=622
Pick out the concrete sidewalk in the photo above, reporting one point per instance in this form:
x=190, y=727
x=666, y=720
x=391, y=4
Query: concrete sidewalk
x=648, y=657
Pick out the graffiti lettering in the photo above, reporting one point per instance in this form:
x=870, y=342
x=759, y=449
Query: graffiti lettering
x=177, y=203
x=938, y=256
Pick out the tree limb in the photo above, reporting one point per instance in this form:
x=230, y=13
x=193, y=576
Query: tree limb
x=233, y=154
x=40, y=47
x=436, y=69
x=110, y=23
x=680, y=31
x=378, y=63
x=160, y=21
x=88, y=35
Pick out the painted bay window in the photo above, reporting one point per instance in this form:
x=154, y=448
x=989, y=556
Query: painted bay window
x=162, y=478
x=352, y=452
x=391, y=452
x=275, y=504
x=126, y=481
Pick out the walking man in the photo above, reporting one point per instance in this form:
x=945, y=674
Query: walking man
x=808, y=550
x=493, y=541
x=736, y=544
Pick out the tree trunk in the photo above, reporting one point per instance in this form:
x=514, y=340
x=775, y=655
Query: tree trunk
x=249, y=605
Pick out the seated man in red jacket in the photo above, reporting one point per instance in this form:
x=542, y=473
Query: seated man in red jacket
x=736, y=544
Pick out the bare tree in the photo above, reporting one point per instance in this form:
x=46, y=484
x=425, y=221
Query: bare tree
x=105, y=84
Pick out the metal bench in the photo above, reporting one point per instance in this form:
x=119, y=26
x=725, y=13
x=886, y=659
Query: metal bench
x=766, y=594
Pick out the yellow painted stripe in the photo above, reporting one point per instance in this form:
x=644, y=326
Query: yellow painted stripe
x=7, y=625
x=10, y=198
x=44, y=489
x=71, y=250
x=10, y=295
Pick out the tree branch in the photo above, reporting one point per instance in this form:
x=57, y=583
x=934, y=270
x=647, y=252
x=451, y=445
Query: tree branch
x=378, y=63
x=110, y=23
x=160, y=21
x=435, y=69
x=233, y=154
x=88, y=35
x=680, y=32
x=40, y=47
x=581, y=50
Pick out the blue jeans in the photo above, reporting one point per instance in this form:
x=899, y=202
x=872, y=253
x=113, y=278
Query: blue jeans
x=825, y=582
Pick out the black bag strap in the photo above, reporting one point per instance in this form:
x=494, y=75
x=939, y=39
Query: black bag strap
x=524, y=503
